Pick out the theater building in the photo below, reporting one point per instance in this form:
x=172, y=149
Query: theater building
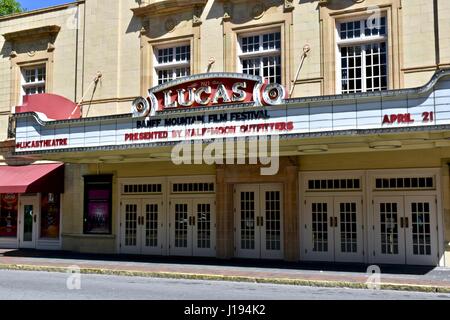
x=288, y=130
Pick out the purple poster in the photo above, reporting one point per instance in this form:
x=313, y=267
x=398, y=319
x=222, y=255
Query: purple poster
x=98, y=206
x=98, y=217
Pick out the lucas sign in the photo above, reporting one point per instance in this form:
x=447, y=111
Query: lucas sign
x=208, y=90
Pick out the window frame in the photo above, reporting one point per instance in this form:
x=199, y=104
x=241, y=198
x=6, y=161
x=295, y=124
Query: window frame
x=36, y=84
x=360, y=41
x=173, y=65
x=261, y=53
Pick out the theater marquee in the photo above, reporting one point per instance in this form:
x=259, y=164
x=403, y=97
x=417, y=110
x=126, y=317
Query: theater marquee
x=208, y=90
x=206, y=107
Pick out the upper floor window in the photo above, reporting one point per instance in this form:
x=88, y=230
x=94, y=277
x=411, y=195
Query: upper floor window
x=260, y=54
x=33, y=80
x=172, y=63
x=362, y=47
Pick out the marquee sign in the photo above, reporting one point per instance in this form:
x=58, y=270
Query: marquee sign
x=425, y=108
x=207, y=90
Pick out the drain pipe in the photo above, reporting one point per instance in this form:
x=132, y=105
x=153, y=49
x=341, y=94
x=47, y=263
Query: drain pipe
x=437, y=46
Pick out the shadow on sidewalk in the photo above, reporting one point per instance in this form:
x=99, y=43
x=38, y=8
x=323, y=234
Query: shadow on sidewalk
x=235, y=262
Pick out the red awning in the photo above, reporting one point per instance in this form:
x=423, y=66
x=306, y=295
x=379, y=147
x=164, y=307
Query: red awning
x=45, y=178
x=53, y=106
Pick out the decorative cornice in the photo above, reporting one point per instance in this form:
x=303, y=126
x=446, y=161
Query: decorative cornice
x=41, y=32
x=153, y=7
x=41, y=11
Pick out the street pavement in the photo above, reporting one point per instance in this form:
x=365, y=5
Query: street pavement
x=29, y=285
x=276, y=272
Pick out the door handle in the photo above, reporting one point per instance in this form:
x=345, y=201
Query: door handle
x=261, y=221
x=333, y=222
x=190, y=221
x=34, y=218
x=401, y=223
x=406, y=223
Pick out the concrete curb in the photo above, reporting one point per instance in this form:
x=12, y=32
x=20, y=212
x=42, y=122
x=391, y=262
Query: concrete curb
x=212, y=277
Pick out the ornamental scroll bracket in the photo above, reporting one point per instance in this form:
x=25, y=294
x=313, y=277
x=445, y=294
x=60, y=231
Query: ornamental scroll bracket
x=227, y=10
x=288, y=5
x=197, y=15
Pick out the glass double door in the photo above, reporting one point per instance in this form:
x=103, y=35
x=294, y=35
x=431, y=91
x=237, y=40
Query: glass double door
x=259, y=221
x=142, y=226
x=404, y=230
x=333, y=229
x=192, y=227
x=28, y=221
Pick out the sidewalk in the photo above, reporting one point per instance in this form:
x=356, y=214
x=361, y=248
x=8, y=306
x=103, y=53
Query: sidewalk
x=423, y=279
